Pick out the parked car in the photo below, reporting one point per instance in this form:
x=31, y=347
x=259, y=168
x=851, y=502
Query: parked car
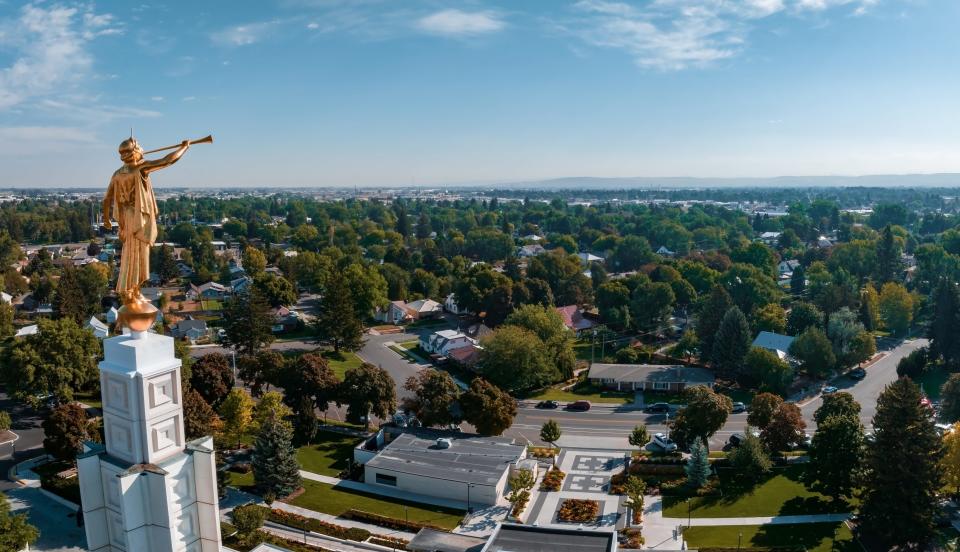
x=736, y=439
x=739, y=407
x=664, y=442
x=548, y=404
x=579, y=406
x=829, y=390
x=658, y=408
x=857, y=373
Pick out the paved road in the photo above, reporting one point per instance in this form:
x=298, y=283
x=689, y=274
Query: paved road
x=26, y=424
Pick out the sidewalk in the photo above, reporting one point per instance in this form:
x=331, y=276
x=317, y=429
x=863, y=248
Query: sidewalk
x=772, y=520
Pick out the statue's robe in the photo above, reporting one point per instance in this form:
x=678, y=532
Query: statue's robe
x=136, y=212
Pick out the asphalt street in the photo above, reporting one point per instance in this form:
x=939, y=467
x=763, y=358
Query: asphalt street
x=608, y=421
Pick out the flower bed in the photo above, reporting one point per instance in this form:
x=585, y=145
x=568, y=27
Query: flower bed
x=679, y=487
x=315, y=525
x=389, y=542
x=632, y=539
x=553, y=480
x=388, y=522
x=575, y=510
x=542, y=452
x=521, y=504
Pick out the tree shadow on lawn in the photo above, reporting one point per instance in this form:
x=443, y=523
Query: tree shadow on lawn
x=806, y=536
x=338, y=451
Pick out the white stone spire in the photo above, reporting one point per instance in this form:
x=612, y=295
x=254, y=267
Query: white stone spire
x=146, y=490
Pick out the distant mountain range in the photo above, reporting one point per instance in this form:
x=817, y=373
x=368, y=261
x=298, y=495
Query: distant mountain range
x=939, y=180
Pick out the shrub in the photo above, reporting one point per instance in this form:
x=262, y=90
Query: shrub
x=389, y=542
x=518, y=506
x=542, y=452
x=576, y=510
x=248, y=519
x=68, y=488
x=632, y=539
x=241, y=467
x=388, y=522
x=679, y=487
x=315, y=525
x=553, y=480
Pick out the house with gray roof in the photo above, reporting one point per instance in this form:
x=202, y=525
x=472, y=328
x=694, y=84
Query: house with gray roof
x=777, y=344
x=649, y=377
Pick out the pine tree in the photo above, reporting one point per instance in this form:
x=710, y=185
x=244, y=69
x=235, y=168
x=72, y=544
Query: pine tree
x=275, y=467
x=698, y=465
x=900, y=499
x=710, y=317
x=732, y=342
x=337, y=322
x=944, y=330
x=888, y=256
x=798, y=281
x=248, y=323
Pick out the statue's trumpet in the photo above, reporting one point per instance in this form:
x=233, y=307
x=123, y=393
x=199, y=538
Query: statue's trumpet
x=205, y=140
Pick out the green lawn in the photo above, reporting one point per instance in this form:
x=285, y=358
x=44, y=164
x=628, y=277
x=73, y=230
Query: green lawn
x=412, y=344
x=210, y=305
x=89, y=398
x=932, y=380
x=429, y=323
x=329, y=454
x=813, y=537
x=582, y=392
x=782, y=493
x=325, y=498
x=341, y=362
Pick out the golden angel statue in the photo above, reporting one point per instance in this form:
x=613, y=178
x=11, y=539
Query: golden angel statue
x=130, y=200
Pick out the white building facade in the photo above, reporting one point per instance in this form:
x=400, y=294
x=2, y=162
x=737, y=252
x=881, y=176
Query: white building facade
x=146, y=489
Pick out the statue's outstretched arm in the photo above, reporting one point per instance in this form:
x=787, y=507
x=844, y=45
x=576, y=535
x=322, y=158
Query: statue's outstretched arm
x=149, y=166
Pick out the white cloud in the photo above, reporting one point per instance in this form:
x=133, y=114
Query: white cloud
x=157, y=98
x=460, y=23
x=313, y=26
x=27, y=140
x=678, y=34
x=49, y=47
x=244, y=35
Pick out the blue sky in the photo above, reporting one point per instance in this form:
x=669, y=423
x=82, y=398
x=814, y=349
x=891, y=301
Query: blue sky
x=388, y=92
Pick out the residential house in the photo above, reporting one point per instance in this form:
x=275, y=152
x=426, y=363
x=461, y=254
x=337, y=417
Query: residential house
x=207, y=291
x=587, y=258
x=444, y=341
x=467, y=356
x=99, y=329
x=400, y=312
x=649, y=377
x=770, y=238
x=189, y=328
x=425, y=308
x=574, y=319
x=450, y=304
x=532, y=237
x=787, y=267
x=285, y=320
x=532, y=250
x=777, y=344
x=32, y=329
x=241, y=284
x=664, y=252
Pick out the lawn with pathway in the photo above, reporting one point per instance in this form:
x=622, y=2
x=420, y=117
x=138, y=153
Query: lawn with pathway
x=782, y=493
x=342, y=361
x=329, y=454
x=583, y=391
x=812, y=537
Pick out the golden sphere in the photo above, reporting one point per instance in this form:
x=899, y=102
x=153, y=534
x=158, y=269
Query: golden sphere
x=138, y=315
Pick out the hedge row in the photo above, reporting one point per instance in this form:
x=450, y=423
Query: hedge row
x=315, y=525
x=389, y=542
x=388, y=522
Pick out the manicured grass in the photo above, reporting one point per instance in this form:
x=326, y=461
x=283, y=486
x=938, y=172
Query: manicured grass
x=781, y=493
x=328, y=455
x=89, y=399
x=241, y=480
x=650, y=397
x=210, y=305
x=412, y=344
x=325, y=498
x=582, y=392
x=429, y=323
x=932, y=380
x=812, y=537
x=341, y=362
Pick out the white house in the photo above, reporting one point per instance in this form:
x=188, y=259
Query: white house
x=99, y=329
x=425, y=308
x=533, y=250
x=399, y=312
x=777, y=344
x=664, y=252
x=450, y=304
x=587, y=258
x=770, y=238
x=787, y=267
x=444, y=341
x=209, y=290
x=32, y=329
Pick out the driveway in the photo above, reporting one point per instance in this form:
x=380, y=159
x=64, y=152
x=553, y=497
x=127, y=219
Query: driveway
x=57, y=523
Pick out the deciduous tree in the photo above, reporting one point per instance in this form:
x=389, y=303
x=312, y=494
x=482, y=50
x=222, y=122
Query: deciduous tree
x=487, y=408
x=762, y=408
x=199, y=418
x=515, y=358
x=237, y=414
x=750, y=459
x=896, y=307
x=639, y=436
x=950, y=463
x=704, y=415
x=435, y=398
x=802, y=316
x=16, y=533
x=212, y=377
x=836, y=455
x=950, y=399
x=367, y=390
x=550, y=432
x=785, y=428
x=65, y=430
x=814, y=351
x=767, y=370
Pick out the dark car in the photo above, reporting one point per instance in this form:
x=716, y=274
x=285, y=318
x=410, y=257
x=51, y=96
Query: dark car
x=736, y=440
x=548, y=404
x=579, y=406
x=857, y=374
x=658, y=408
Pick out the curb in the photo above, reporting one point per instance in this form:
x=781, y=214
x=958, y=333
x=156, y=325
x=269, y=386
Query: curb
x=16, y=437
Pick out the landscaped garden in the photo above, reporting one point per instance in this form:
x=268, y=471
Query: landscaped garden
x=329, y=454
x=582, y=391
x=575, y=510
x=812, y=537
x=781, y=493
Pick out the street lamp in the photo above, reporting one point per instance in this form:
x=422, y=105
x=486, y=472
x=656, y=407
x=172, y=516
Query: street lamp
x=688, y=512
x=469, y=508
x=739, y=538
